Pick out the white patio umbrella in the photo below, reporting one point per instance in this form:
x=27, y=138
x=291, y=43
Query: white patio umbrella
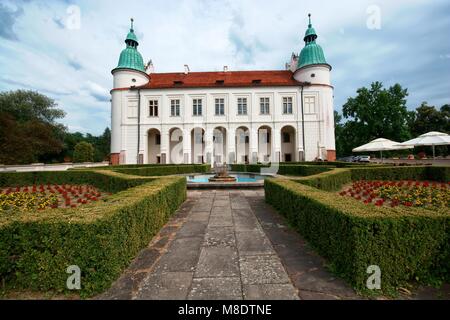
x=433, y=139
x=381, y=145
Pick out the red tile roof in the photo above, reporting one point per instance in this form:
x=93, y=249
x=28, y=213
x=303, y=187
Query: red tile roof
x=221, y=79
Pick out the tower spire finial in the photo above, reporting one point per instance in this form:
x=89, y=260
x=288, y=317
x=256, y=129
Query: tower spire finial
x=132, y=24
x=310, y=24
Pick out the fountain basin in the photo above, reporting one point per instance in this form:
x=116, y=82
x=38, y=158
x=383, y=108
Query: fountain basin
x=235, y=180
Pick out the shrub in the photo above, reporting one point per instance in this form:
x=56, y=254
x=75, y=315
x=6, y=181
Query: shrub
x=83, y=152
x=405, y=243
x=165, y=170
x=441, y=174
x=328, y=181
x=104, y=180
x=295, y=170
x=102, y=238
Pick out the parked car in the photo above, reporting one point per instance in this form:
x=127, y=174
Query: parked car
x=364, y=159
x=356, y=159
x=346, y=159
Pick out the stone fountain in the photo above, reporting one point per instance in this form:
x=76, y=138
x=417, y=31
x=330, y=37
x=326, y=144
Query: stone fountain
x=221, y=174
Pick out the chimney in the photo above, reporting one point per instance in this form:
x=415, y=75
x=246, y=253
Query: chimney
x=186, y=69
x=149, y=68
x=225, y=68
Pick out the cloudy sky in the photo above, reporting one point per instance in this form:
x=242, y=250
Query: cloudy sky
x=67, y=48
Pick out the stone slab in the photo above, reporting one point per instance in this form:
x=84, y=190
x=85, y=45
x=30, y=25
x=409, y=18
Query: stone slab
x=253, y=243
x=165, y=286
x=216, y=289
x=262, y=270
x=270, y=292
x=218, y=262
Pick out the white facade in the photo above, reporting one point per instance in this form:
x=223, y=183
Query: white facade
x=317, y=119
x=217, y=117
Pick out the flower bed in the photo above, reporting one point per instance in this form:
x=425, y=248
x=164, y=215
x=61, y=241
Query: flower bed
x=28, y=198
x=407, y=243
x=101, y=237
x=400, y=193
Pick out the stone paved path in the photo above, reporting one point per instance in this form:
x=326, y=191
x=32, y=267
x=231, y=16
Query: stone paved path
x=227, y=244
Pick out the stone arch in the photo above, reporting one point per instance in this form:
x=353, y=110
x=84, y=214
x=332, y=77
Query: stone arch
x=242, y=142
x=219, y=145
x=198, y=145
x=176, y=145
x=265, y=142
x=288, y=143
x=153, y=146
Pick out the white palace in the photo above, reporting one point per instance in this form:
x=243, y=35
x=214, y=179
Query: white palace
x=228, y=116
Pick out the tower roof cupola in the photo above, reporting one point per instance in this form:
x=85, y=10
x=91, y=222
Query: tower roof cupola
x=312, y=53
x=130, y=58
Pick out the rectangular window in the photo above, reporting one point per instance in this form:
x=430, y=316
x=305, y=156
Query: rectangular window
x=264, y=105
x=287, y=157
x=242, y=106
x=310, y=105
x=220, y=107
x=158, y=139
x=197, y=107
x=153, y=108
x=286, y=137
x=287, y=105
x=175, y=108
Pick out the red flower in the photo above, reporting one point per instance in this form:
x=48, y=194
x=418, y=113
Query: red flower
x=407, y=204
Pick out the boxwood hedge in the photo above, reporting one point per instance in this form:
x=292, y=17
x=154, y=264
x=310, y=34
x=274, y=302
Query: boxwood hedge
x=405, y=243
x=329, y=181
x=164, y=170
x=104, y=180
x=334, y=180
x=102, y=238
x=295, y=170
x=434, y=173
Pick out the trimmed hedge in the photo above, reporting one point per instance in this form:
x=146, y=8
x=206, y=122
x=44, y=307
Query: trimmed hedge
x=165, y=170
x=295, y=170
x=335, y=179
x=406, y=243
x=441, y=174
x=104, y=180
x=337, y=164
x=134, y=166
x=102, y=238
x=328, y=181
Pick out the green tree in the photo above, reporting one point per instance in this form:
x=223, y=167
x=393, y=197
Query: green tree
x=103, y=146
x=428, y=118
x=30, y=105
x=339, y=131
x=28, y=128
x=84, y=152
x=375, y=112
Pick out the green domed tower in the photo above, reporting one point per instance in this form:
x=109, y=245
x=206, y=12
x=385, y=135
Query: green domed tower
x=312, y=53
x=130, y=58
